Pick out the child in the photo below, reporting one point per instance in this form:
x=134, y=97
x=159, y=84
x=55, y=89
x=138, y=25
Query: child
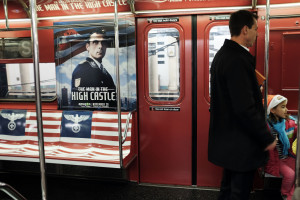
x=282, y=159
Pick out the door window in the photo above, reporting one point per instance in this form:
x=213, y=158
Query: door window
x=164, y=64
x=217, y=36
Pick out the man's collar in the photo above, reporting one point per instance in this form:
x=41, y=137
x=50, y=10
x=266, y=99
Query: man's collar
x=238, y=41
x=244, y=47
x=97, y=62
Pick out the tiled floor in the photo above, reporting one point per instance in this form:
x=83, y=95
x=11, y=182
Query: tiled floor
x=59, y=188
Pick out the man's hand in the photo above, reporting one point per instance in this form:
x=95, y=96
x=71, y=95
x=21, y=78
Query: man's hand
x=271, y=146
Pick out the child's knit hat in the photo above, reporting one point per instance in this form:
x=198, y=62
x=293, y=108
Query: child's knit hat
x=274, y=100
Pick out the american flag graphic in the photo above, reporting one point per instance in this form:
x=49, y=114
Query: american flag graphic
x=68, y=43
x=12, y=129
x=100, y=148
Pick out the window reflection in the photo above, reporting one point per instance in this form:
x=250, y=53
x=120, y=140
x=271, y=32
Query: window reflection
x=17, y=81
x=164, y=64
x=217, y=36
x=11, y=48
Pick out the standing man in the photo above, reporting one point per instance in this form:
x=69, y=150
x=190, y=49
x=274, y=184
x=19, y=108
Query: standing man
x=238, y=134
x=92, y=85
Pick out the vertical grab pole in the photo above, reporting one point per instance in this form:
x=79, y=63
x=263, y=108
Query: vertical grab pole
x=6, y=13
x=267, y=39
x=297, y=181
x=254, y=3
x=35, y=43
x=118, y=81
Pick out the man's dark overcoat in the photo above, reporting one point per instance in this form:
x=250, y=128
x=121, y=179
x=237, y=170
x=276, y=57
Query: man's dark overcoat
x=238, y=133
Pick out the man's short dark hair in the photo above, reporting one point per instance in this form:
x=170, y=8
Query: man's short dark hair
x=108, y=40
x=98, y=31
x=239, y=19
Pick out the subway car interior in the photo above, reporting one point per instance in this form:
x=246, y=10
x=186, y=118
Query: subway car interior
x=143, y=132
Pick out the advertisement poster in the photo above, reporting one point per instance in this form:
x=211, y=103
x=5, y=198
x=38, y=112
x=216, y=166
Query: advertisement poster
x=86, y=69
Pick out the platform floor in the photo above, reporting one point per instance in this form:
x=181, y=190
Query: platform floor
x=59, y=188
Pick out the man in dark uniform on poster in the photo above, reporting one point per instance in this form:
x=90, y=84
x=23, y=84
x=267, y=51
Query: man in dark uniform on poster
x=92, y=85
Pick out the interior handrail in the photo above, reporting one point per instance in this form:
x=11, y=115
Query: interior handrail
x=297, y=178
x=267, y=48
x=126, y=126
x=9, y=190
x=131, y=4
x=254, y=4
x=25, y=7
x=6, y=13
x=36, y=61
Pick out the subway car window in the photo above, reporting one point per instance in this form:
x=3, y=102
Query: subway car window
x=12, y=48
x=17, y=81
x=217, y=35
x=164, y=64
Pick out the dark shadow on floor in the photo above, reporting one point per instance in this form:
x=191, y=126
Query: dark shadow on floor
x=61, y=188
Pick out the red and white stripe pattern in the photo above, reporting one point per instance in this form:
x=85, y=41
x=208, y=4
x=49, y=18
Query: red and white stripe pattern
x=10, y=144
x=102, y=147
x=105, y=136
x=51, y=131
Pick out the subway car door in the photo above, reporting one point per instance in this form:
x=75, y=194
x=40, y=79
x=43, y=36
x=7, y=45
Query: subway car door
x=164, y=98
x=211, y=33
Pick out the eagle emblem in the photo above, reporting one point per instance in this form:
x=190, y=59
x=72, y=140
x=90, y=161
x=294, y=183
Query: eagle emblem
x=76, y=119
x=12, y=117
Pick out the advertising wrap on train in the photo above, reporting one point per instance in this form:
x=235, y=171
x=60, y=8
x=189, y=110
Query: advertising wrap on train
x=86, y=68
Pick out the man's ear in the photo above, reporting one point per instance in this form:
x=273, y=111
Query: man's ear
x=245, y=30
x=87, y=46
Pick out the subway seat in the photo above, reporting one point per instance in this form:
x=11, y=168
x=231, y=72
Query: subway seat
x=85, y=138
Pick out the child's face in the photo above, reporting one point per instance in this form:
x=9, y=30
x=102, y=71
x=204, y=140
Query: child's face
x=280, y=111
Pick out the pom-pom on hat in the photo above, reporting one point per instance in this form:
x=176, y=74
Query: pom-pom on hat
x=274, y=100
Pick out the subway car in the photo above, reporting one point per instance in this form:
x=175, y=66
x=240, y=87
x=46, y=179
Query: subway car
x=149, y=125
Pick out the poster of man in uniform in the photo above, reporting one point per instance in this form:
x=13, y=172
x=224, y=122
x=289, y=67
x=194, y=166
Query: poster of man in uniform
x=86, y=69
